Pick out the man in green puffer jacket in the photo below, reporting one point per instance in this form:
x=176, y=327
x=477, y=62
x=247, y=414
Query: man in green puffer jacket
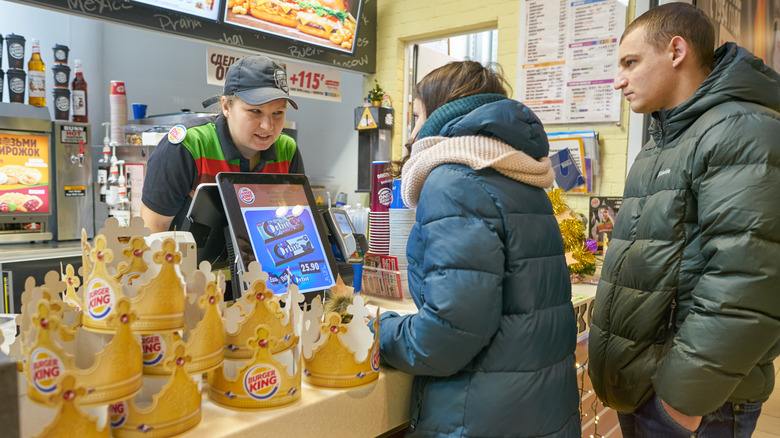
x=686, y=321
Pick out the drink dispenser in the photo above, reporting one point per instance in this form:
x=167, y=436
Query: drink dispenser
x=72, y=188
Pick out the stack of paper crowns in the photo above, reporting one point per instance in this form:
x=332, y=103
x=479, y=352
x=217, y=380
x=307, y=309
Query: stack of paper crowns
x=97, y=350
x=338, y=355
x=262, y=367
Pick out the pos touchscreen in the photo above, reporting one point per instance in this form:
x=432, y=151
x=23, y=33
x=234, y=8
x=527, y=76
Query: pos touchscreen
x=274, y=220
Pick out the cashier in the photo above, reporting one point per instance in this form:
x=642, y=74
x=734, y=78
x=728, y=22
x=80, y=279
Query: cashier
x=246, y=136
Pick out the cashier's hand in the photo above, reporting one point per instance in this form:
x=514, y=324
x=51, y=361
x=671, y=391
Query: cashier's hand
x=690, y=423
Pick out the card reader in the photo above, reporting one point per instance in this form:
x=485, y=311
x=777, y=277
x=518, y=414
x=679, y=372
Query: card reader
x=343, y=233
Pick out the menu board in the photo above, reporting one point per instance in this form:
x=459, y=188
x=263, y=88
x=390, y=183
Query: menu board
x=181, y=18
x=331, y=24
x=568, y=59
x=24, y=174
x=208, y=9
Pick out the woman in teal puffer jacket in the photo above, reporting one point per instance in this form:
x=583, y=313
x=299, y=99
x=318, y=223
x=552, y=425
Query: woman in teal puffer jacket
x=492, y=346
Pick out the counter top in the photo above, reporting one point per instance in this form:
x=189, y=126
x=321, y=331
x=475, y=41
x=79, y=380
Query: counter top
x=367, y=411
x=22, y=252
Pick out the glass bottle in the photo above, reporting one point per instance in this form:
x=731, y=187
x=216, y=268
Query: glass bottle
x=122, y=207
x=129, y=185
x=79, y=95
x=36, y=76
x=112, y=194
x=104, y=165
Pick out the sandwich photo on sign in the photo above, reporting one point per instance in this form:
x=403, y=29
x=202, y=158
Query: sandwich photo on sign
x=328, y=23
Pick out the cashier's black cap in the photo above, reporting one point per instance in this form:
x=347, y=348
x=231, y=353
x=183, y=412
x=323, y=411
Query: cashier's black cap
x=256, y=80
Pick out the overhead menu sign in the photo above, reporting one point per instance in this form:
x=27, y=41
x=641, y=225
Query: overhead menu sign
x=568, y=59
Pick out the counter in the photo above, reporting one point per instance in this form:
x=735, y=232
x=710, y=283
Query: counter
x=368, y=411
x=21, y=260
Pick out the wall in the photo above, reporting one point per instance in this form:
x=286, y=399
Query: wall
x=404, y=21
x=169, y=74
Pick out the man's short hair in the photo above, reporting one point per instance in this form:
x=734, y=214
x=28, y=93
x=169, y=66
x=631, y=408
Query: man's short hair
x=662, y=23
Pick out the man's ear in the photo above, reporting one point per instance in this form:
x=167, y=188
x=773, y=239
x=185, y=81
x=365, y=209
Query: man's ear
x=225, y=107
x=678, y=50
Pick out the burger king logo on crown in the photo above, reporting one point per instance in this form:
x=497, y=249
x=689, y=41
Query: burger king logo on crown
x=45, y=368
x=246, y=195
x=117, y=414
x=262, y=381
x=100, y=299
x=153, y=349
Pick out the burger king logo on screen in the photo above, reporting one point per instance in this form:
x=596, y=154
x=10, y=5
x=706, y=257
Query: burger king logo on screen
x=45, y=368
x=100, y=299
x=262, y=381
x=153, y=349
x=117, y=414
x=246, y=196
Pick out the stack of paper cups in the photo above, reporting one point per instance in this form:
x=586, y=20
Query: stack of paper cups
x=379, y=216
x=118, y=108
x=401, y=223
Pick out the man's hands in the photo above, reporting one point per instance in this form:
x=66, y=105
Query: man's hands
x=690, y=423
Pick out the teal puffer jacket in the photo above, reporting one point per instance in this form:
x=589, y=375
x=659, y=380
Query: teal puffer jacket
x=689, y=300
x=492, y=346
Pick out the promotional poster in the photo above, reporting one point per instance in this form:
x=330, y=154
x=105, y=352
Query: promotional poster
x=284, y=237
x=24, y=174
x=331, y=24
x=603, y=212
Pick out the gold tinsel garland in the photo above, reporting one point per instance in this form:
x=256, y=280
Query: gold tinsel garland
x=586, y=261
x=573, y=233
x=558, y=204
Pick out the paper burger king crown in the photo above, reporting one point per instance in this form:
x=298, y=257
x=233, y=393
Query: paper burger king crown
x=265, y=381
x=157, y=296
x=256, y=306
x=70, y=420
x=338, y=355
x=169, y=411
x=262, y=367
x=203, y=336
x=108, y=367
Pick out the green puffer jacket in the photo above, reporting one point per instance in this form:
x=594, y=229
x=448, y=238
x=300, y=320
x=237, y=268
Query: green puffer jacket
x=695, y=252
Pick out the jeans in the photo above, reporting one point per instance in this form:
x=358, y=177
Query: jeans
x=728, y=421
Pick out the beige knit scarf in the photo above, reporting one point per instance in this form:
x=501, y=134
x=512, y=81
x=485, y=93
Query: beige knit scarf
x=476, y=152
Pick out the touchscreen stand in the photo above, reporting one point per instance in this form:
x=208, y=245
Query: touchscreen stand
x=273, y=219
x=207, y=222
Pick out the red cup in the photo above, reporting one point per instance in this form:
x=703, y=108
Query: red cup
x=381, y=186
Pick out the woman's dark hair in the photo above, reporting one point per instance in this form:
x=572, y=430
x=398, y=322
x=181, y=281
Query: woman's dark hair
x=451, y=82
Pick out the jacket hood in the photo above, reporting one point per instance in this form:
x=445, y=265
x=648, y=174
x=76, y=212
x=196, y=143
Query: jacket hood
x=737, y=75
x=508, y=120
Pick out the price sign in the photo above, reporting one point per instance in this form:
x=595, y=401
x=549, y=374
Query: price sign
x=313, y=82
x=303, y=80
x=310, y=267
